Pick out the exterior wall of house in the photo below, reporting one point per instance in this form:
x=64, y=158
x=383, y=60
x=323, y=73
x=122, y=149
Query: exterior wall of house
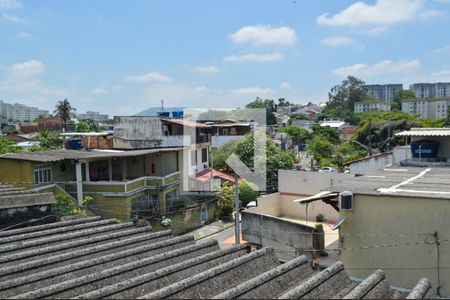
x=220, y=140
x=403, y=221
x=308, y=183
x=17, y=172
x=371, y=164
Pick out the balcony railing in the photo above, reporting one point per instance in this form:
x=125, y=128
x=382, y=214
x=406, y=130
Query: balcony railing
x=122, y=187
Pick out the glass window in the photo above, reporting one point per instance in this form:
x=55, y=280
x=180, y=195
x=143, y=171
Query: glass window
x=42, y=174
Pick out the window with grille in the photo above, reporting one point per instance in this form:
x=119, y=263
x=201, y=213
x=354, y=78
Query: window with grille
x=42, y=174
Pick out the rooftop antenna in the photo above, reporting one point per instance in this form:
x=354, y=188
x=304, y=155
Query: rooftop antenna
x=162, y=105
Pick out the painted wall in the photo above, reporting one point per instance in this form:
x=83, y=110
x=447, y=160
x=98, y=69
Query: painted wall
x=308, y=183
x=401, y=153
x=16, y=172
x=371, y=164
x=379, y=216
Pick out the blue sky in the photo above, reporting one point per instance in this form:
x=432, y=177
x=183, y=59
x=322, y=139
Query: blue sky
x=120, y=57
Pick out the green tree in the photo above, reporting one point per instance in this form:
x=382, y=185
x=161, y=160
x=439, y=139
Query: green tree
x=298, y=117
x=276, y=158
x=344, y=95
x=7, y=146
x=296, y=134
x=225, y=202
x=220, y=155
x=48, y=141
x=247, y=193
x=326, y=133
x=64, y=110
x=270, y=107
x=85, y=126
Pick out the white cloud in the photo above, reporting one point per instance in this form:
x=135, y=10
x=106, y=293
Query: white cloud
x=30, y=68
x=338, y=41
x=442, y=73
x=101, y=90
x=265, y=35
x=441, y=50
x=23, y=35
x=207, y=69
x=276, y=56
x=116, y=88
x=13, y=19
x=10, y=4
x=285, y=86
x=22, y=80
x=256, y=91
x=148, y=77
x=382, y=67
x=382, y=13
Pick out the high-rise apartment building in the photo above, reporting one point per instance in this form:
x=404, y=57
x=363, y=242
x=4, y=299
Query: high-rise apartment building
x=93, y=115
x=383, y=92
x=431, y=90
x=21, y=112
x=432, y=109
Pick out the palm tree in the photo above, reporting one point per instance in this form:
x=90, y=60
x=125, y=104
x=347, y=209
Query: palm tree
x=64, y=110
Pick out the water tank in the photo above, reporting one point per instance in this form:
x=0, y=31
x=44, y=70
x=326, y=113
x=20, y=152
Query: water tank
x=165, y=114
x=424, y=149
x=181, y=114
x=75, y=144
x=175, y=114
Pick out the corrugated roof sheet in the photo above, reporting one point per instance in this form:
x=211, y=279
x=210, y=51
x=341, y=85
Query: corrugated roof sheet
x=425, y=132
x=57, y=155
x=91, y=259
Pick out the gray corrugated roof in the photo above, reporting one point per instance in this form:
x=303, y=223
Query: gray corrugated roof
x=425, y=132
x=57, y=155
x=93, y=258
x=25, y=200
x=434, y=183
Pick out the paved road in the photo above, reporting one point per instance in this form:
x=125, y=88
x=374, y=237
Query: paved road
x=223, y=237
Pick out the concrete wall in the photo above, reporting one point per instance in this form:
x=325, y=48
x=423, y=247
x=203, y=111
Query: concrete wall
x=269, y=205
x=372, y=164
x=298, y=211
x=16, y=172
x=401, y=153
x=400, y=217
x=308, y=183
x=280, y=234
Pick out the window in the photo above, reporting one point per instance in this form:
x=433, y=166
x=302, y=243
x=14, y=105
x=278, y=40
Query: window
x=204, y=154
x=42, y=174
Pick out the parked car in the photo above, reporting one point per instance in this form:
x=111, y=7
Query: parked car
x=328, y=169
x=251, y=204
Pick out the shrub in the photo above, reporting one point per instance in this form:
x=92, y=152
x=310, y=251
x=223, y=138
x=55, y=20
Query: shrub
x=246, y=193
x=225, y=203
x=64, y=205
x=320, y=218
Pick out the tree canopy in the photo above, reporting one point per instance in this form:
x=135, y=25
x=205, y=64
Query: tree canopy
x=64, y=110
x=7, y=146
x=344, y=95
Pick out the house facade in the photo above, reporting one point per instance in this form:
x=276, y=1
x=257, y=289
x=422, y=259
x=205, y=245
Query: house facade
x=122, y=184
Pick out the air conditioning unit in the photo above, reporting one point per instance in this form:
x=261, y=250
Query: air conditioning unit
x=346, y=201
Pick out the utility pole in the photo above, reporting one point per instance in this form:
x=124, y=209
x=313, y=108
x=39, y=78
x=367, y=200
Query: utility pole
x=237, y=229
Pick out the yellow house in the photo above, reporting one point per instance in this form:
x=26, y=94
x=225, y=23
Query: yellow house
x=398, y=220
x=122, y=184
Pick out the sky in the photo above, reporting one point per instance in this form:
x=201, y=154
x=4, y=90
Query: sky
x=121, y=57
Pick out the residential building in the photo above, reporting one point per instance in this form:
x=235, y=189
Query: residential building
x=122, y=184
x=383, y=92
x=91, y=258
x=228, y=130
x=397, y=217
x=21, y=112
x=347, y=133
x=94, y=116
x=140, y=132
x=371, y=106
x=431, y=90
x=336, y=124
x=428, y=146
x=432, y=109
